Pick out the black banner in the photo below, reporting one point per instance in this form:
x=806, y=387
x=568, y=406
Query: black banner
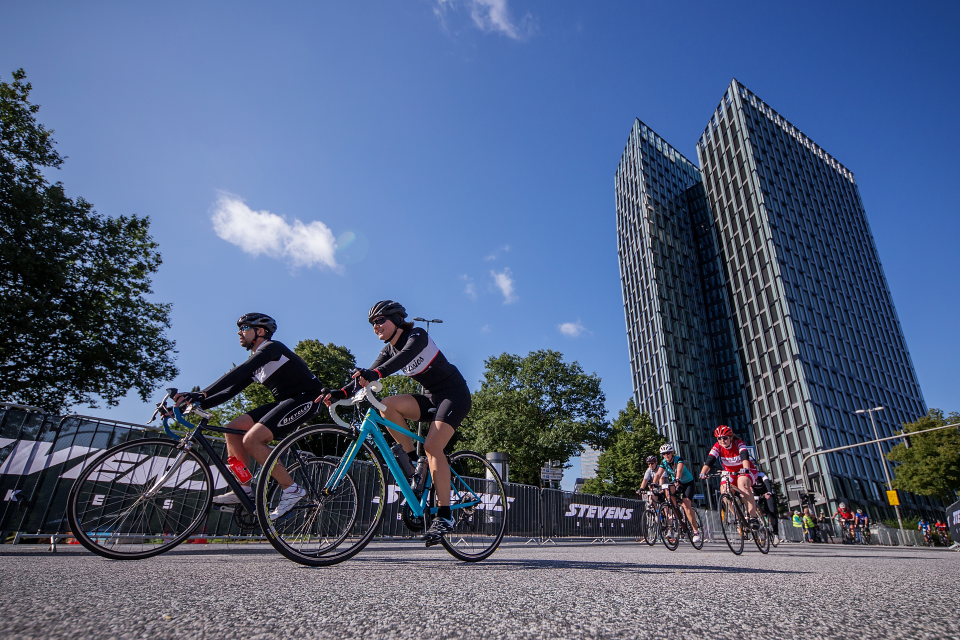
x=953, y=521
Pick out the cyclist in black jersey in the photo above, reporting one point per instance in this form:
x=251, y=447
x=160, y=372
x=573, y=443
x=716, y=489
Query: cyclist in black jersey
x=411, y=351
x=294, y=388
x=763, y=494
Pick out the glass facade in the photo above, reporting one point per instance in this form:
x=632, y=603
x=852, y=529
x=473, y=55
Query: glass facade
x=681, y=341
x=754, y=296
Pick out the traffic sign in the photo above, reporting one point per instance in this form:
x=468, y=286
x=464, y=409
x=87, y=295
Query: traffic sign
x=552, y=474
x=794, y=487
x=893, y=498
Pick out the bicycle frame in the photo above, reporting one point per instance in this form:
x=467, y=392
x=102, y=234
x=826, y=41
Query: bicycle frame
x=370, y=429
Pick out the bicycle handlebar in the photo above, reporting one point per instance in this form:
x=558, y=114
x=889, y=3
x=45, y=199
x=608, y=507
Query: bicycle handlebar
x=174, y=412
x=363, y=393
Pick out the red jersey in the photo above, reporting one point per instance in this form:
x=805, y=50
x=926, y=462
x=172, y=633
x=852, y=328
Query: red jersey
x=845, y=515
x=730, y=459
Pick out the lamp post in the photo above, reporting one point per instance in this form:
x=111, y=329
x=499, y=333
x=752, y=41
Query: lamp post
x=428, y=322
x=883, y=460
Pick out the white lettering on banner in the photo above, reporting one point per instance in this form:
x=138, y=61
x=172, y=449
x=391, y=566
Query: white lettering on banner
x=30, y=457
x=598, y=513
x=12, y=495
x=168, y=504
x=488, y=501
x=98, y=500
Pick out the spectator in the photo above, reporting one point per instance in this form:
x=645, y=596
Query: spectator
x=809, y=525
x=797, y=521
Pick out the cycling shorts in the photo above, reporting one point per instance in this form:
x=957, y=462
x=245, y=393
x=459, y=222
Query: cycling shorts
x=452, y=405
x=748, y=473
x=685, y=490
x=284, y=416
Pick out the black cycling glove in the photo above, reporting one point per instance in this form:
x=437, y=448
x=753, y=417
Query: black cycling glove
x=336, y=394
x=367, y=374
x=192, y=397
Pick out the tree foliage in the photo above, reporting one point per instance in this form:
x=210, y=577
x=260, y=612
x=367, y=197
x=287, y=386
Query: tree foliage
x=536, y=408
x=931, y=466
x=621, y=466
x=73, y=284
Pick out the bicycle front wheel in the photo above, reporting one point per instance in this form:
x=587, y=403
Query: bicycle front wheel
x=731, y=523
x=335, y=519
x=669, y=527
x=761, y=536
x=139, y=499
x=651, y=526
x=479, y=507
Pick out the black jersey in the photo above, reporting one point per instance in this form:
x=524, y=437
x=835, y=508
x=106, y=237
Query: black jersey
x=271, y=364
x=416, y=356
x=762, y=485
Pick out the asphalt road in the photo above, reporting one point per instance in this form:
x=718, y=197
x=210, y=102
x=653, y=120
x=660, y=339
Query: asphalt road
x=400, y=590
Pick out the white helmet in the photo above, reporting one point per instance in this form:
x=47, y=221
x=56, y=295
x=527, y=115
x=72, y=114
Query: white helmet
x=843, y=506
x=667, y=448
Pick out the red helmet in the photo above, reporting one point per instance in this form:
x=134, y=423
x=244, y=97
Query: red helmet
x=722, y=430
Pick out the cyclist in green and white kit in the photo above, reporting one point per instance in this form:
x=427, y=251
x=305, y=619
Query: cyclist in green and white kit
x=675, y=470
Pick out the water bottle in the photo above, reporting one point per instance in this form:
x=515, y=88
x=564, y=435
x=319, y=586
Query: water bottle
x=403, y=459
x=420, y=477
x=239, y=470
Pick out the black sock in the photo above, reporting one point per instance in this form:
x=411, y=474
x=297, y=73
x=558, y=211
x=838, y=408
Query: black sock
x=413, y=455
x=443, y=512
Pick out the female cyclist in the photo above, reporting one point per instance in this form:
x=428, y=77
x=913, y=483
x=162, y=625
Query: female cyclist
x=411, y=351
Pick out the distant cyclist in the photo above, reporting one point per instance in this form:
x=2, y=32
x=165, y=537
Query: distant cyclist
x=675, y=470
x=411, y=351
x=924, y=528
x=944, y=532
x=846, y=519
x=735, y=460
x=862, y=521
x=294, y=388
x=650, y=475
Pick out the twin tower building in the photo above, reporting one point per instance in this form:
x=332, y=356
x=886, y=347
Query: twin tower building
x=754, y=297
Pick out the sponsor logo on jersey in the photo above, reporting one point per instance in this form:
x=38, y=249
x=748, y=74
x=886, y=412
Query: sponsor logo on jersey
x=422, y=362
x=599, y=513
x=264, y=372
x=296, y=414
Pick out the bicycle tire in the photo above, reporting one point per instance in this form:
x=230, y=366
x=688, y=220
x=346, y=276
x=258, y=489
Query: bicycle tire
x=761, y=537
x=695, y=526
x=112, y=512
x=651, y=522
x=323, y=528
x=477, y=530
x=669, y=526
x=731, y=523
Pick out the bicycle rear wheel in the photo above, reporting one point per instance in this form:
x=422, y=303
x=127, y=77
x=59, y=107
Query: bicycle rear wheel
x=695, y=530
x=761, y=536
x=730, y=523
x=651, y=526
x=479, y=526
x=669, y=526
x=330, y=524
x=117, y=510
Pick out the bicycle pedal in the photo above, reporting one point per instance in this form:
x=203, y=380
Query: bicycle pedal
x=225, y=508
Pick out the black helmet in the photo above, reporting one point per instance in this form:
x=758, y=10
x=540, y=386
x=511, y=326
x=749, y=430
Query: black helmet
x=258, y=320
x=388, y=308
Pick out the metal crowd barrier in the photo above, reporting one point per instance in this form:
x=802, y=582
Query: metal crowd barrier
x=41, y=454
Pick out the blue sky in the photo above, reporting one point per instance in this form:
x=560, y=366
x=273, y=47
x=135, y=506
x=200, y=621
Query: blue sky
x=458, y=155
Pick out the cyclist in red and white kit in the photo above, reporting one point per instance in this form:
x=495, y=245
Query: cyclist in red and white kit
x=734, y=457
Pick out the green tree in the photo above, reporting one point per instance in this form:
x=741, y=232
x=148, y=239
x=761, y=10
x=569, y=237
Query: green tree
x=74, y=314
x=931, y=466
x=621, y=466
x=535, y=409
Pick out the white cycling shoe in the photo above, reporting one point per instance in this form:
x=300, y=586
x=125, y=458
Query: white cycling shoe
x=287, y=501
x=696, y=538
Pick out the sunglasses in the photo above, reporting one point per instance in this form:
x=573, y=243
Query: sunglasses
x=378, y=321
x=725, y=438
x=245, y=327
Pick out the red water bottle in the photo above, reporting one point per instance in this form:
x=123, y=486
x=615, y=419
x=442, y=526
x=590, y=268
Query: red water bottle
x=239, y=470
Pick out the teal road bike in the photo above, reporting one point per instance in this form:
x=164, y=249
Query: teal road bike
x=341, y=468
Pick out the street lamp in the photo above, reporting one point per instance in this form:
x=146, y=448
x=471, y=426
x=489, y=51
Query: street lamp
x=428, y=322
x=883, y=460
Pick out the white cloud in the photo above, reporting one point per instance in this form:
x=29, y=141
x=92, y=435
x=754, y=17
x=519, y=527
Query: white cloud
x=504, y=282
x=263, y=232
x=485, y=329
x=469, y=289
x=493, y=256
x=490, y=16
x=572, y=329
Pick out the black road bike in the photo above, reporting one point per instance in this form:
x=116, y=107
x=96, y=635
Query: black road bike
x=675, y=524
x=734, y=523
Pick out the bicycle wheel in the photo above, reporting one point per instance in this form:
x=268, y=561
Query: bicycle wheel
x=761, y=536
x=651, y=526
x=669, y=526
x=330, y=524
x=118, y=507
x=731, y=523
x=695, y=529
x=479, y=526
x=767, y=522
